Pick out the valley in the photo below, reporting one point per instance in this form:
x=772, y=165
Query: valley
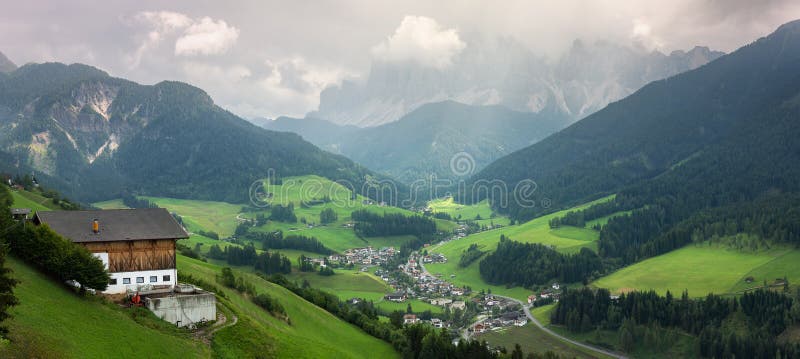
x=440, y=191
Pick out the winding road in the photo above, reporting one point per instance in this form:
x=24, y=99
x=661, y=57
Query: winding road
x=545, y=329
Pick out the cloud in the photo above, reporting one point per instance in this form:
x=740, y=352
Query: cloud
x=202, y=36
x=421, y=40
x=642, y=34
x=206, y=37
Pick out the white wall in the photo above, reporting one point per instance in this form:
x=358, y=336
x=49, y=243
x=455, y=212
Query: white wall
x=121, y=287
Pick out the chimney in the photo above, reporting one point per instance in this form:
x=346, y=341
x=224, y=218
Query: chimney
x=96, y=226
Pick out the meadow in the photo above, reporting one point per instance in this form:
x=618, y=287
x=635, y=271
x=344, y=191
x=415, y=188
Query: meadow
x=460, y=211
x=533, y=340
x=52, y=321
x=702, y=269
x=313, y=332
x=34, y=201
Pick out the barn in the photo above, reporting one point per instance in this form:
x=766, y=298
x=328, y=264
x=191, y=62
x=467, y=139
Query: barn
x=137, y=246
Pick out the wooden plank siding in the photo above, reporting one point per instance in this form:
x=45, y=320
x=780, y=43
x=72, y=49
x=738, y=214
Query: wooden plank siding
x=140, y=255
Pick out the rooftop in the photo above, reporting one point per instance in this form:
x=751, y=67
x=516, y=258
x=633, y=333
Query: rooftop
x=115, y=224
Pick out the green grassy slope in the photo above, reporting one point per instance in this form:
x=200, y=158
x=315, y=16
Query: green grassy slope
x=51, y=321
x=565, y=239
x=221, y=217
x=313, y=332
x=705, y=269
x=25, y=199
x=467, y=212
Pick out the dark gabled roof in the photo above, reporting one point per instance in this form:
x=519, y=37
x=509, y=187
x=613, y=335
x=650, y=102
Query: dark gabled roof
x=20, y=211
x=115, y=224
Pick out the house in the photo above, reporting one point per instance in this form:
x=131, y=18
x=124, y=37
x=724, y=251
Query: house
x=410, y=319
x=479, y=328
x=531, y=298
x=521, y=321
x=137, y=246
x=437, y=323
x=441, y=301
x=556, y=286
x=395, y=297
x=509, y=318
x=459, y=304
x=20, y=214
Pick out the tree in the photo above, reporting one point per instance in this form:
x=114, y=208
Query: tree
x=328, y=215
x=408, y=309
x=7, y=298
x=396, y=318
x=517, y=352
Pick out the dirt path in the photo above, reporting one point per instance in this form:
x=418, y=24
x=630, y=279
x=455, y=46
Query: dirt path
x=206, y=334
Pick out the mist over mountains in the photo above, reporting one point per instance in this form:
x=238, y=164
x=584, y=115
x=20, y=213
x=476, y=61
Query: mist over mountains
x=503, y=72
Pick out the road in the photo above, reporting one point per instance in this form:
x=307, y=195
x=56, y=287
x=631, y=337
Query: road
x=543, y=328
x=559, y=336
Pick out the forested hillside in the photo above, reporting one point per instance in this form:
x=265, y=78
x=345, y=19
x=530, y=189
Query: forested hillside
x=708, y=152
x=94, y=137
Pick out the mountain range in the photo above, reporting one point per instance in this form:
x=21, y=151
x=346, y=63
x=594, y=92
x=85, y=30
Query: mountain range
x=503, y=72
x=93, y=136
x=448, y=140
x=712, y=151
x=5, y=64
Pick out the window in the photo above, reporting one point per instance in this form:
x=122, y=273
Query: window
x=153, y=279
x=126, y=281
x=112, y=281
x=165, y=278
x=139, y=279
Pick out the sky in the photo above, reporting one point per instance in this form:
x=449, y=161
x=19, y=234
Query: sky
x=272, y=58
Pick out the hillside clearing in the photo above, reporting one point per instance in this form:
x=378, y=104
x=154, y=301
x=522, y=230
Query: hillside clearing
x=703, y=269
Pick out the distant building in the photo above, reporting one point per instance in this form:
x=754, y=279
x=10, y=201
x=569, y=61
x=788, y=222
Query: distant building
x=20, y=214
x=395, y=297
x=459, y=304
x=409, y=319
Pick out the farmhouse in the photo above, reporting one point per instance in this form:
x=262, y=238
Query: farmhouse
x=396, y=296
x=137, y=246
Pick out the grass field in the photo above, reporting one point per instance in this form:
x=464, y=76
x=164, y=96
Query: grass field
x=111, y=204
x=565, y=239
x=533, y=340
x=219, y=217
x=25, y=199
x=467, y=212
x=703, y=269
x=313, y=332
x=51, y=321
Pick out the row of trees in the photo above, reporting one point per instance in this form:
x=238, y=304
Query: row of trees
x=328, y=215
x=371, y=224
x=58, y=257
x=264, y=262
x=530, y=264
x=135, y=202
x=276, y=240
x=470, y=255
x=7, y=283
x=283, y=213
x=579, y=218
x=765, y=313
x=263, y=300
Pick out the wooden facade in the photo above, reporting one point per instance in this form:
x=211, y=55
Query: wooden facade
x=138, y=255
